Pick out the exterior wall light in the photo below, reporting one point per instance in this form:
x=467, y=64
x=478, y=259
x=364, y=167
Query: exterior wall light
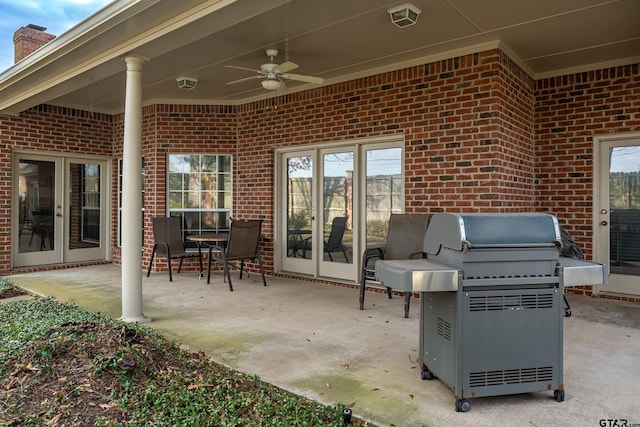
x=404, y=15
x=186, y=83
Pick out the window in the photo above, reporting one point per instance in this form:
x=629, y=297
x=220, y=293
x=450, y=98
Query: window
x=199, y=191
x=120, y=178
x=90, y=188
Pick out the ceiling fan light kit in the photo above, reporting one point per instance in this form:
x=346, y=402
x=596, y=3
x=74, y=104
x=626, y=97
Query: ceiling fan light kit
x=272, y=74
x=187, y=83
x=404, y=15
x=270, y=84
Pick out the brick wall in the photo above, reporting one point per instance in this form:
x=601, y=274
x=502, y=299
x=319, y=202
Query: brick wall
x=569, y=110
x=467, y=124
x=173, y=129
x=480, y=135
x=45, y=128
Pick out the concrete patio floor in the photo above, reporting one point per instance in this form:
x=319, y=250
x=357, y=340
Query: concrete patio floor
x=312, y=339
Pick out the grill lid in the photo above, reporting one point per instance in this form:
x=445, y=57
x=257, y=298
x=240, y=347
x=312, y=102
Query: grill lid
x=457, y=231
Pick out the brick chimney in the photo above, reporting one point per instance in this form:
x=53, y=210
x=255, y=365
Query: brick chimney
x=29, y=39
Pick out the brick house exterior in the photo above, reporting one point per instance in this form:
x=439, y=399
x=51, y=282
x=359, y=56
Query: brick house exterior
x=480, y=136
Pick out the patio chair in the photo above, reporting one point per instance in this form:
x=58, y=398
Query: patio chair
x=570, y=249
x=243, y=245
x=334, y=241
x=404, y=241
x=168, y=243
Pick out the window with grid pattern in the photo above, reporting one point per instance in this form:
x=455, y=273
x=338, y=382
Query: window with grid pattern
x=199, y=191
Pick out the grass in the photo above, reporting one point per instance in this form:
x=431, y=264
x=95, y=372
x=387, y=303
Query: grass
x=61, y=365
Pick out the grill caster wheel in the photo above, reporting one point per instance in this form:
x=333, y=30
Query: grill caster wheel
x=426, y=374
x=462, y=405
x=567, y=313
x=558, y=395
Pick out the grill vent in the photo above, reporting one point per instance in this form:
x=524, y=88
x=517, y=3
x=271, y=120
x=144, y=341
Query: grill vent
x=510, y=302
x=444, y=329
x=511, y=376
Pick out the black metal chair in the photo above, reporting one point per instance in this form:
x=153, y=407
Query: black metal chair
x=168, y=243
x=334, y=241
x=243, y=245
x=404, y=241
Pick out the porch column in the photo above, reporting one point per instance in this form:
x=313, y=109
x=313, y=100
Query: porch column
x=131, y=195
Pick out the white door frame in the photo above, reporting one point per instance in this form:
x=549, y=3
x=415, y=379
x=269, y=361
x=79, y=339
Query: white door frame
x=601, y=242
x=61, y=252
x=315, y=267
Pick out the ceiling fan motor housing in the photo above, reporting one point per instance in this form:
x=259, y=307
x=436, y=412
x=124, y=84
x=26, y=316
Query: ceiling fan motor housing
x=272, y=53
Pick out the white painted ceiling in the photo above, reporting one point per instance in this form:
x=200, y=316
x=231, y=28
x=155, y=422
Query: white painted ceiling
x=335, y=39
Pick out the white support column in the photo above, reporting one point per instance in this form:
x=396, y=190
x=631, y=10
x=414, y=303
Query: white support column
x=131, y=195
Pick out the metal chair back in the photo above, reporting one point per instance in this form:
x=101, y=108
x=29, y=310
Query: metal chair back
x=167, y=230
x=242, y=245
x=405, y=238
x=244, y=239
x=168, y=243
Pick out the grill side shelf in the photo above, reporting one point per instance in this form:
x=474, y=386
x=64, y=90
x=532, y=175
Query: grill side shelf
x=575, y=272
x=419, y=275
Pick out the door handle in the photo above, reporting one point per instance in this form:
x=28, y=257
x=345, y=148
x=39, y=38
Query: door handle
x=604, y=223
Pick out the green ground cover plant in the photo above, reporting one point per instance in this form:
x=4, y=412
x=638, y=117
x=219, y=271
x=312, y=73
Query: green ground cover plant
x=63, y=366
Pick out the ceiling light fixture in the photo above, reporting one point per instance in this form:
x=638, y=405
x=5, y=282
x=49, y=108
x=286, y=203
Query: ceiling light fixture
x=186, y=83
x=270, y=84
x=404, y=15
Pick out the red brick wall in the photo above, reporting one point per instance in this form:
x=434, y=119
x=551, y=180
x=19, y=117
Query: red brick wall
x=48, y=128
x=480, y=135
x=467, y=124
x=569, y=111
x=173, y=129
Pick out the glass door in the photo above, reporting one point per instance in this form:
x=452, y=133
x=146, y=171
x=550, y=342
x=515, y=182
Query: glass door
x=86, y=225
x=383, y=192
x=334, y=200
x=60, y=212
x=38, y=191
x=619, y=214
x=299, y=209
x=335, y=243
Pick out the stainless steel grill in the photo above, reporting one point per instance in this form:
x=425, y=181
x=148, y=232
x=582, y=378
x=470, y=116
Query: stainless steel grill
x=491, y=304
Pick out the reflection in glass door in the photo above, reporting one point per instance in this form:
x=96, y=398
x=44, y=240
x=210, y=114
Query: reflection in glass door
x=332, y=201
x=85, y=215
x=39, y=210
x=60, y=213
x=299, y=212
x=334, y=245
x=619, y=210
x=383, y=192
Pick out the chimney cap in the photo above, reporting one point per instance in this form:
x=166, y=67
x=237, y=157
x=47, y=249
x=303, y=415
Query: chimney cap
x=37, y=27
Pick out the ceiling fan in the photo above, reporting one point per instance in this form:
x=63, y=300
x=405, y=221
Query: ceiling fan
x=272, y=74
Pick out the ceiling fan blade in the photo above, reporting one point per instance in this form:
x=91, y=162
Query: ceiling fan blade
x=244, y=80
x=243, y=68
x=285, y=66
x=304, y=78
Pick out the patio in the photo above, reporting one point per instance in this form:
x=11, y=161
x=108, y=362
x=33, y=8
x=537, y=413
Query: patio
x=312, y=339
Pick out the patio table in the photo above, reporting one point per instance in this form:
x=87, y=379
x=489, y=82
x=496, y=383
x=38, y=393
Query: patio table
x=212, y=240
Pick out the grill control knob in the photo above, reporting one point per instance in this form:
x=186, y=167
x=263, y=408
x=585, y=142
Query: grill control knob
x=603, y=223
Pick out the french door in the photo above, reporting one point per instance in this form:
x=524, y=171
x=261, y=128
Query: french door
x=326, y=195
x=617, y=213
x=60, y=209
